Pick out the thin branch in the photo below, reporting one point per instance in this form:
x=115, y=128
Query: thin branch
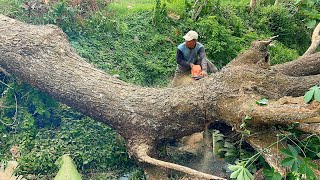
x=315, y=41
x=141, y=152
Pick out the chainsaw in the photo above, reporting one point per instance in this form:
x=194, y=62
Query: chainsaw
x=195, y=72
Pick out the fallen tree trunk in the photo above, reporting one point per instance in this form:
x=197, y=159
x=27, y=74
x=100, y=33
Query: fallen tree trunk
x=144, y=117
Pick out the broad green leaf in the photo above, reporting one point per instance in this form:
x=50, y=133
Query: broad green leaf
x=296, y=2
x=308, y=161
x=262, y=102
x=306, y=168
x=67, y=169
x=310, y=174
x=287, y=162
x=243, y=125
x=308, y=96
x=230, y=154
x=240, y=172
x=317, y=94
x=241, y=176
x=234, y=167
x=286, y=152
x=293, y=150
x=228, y=145
x=318, y=154
x=235, y=174
x=247, y=118
x=311, y=24
x=295, y=165
x=271, y=174
x=248, y=174
x=314, y=87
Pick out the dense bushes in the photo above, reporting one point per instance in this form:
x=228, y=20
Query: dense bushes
x=93, y=146
x=43, y=131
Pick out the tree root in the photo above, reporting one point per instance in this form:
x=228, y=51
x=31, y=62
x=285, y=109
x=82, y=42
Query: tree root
x=142, y=150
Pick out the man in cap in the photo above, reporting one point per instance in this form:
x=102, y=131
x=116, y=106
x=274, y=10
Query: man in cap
x=191, y=53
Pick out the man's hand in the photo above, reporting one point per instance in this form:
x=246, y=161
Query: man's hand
x=203, y=73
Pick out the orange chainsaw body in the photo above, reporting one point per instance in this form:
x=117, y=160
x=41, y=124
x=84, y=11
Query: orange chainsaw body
x=195, y=72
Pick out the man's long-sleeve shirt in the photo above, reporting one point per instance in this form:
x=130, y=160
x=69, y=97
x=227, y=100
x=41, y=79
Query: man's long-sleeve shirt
x=185, y=56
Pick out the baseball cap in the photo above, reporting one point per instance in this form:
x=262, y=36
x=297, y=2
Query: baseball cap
x=190, y=36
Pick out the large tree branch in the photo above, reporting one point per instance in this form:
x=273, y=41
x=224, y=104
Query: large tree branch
x=286, y=110
x=304, y=66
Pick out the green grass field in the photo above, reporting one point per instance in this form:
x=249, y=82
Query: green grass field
x=124, y=7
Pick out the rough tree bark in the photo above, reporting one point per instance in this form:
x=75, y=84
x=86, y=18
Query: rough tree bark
x=144, y=117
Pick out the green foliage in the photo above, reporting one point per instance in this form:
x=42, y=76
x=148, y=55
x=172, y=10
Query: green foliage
x=160, y=13
x=217, y=142
x=299, y=166
x=143, y=57
x=221, y=46
x=262, y=102
x=85, y=140
x=243, y=126
x=229, y=151
x=240, y=172
x=280, y=54
x=307, y=167
x=67, y=169
x=8, y=7
x=271, y=174
x=311, y=147
x=313, y=93
x=292, y=159
x=309, y=9
x=63, y=16
x=278, y=20
x=44, y=130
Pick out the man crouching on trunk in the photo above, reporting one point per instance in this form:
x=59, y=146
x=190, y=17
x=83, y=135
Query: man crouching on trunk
x=191, y=53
